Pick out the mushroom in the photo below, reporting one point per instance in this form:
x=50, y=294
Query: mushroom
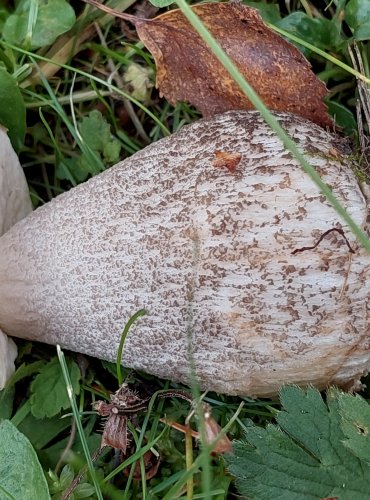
x=15, y=204
x=246, y=272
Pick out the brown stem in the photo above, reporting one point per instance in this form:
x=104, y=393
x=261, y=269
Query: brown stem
x=122, y=15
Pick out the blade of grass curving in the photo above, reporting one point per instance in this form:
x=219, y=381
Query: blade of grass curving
x=142, y=435
x=95, y=163
x=77, y=417
x=128, y=325
x=110, y=86
x=22, y=413
x=79, y=96
x=321, y=53
x=172, y=493
x=133, y=458
x=58, y=153
x=132, y=429
x=289, y=144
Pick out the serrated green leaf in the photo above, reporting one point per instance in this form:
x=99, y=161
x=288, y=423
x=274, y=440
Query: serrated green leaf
x=95, y=131
x=49, y=394
x=357, y=16
x=21, y=475
x=304, y=457
x=96, y=134
x=355, y=424
x=12, y=110
x=111, y=151
x=54, y=17
x=306, y=418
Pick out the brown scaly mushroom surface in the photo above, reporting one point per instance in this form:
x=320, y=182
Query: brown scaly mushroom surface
x=15, y=204
x=208, y=253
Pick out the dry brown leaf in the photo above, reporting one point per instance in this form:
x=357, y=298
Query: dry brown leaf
x=227, y=160
x=187, y=70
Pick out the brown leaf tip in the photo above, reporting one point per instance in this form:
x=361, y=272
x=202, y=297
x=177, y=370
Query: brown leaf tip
x=227, y=160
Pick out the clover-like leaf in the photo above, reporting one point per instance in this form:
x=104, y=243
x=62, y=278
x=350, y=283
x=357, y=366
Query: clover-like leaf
x=54, y=17
x=357, y=16
x=95, y=131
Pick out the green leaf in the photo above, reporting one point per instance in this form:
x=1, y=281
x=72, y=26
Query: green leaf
x=111, y=151
x=54, y=17
x=4, y=14
x=12, y=110
x=357, y=16
x=41, y=435
x=97, y=137
x=355, y=424
x=342, y=116
x=84, y=490
x=66, y=477
x=161, y=3
x=269, y=11
x=323, y=33
x=21, y=475
x=110, y=367
x=56, y=484
x=6, y=403
x=49, y=394
x=305, y=456
x=7, y=394
x=95, y=131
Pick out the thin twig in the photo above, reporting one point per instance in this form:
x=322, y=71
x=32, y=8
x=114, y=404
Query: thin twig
x=68, y=447
x=340, y=231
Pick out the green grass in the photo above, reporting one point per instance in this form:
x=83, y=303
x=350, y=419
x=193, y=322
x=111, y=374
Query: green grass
x=58, y=98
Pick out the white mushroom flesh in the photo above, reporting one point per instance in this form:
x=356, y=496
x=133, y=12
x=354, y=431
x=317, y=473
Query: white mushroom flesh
x=208, y=253
x=15, y=204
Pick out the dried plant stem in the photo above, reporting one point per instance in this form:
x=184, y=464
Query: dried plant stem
x=67, y=449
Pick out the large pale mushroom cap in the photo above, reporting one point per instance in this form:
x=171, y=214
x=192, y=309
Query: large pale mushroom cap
x=209, y=254
x=15, y=204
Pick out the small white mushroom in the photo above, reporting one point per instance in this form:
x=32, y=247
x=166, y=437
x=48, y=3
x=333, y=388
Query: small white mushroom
x=15, y=204
x=210, y=254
